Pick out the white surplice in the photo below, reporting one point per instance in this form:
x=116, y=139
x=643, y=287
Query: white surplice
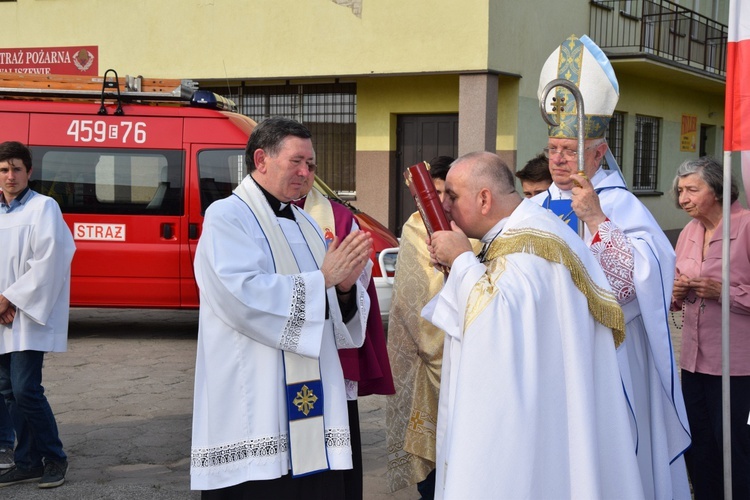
x=249, y=314
x=658, y=417
x=35, y=255
x=531, y=402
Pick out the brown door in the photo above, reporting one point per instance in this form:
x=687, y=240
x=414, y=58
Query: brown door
x=421, y=138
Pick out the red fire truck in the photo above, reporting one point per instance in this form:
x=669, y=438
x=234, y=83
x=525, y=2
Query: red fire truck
x=133, y=164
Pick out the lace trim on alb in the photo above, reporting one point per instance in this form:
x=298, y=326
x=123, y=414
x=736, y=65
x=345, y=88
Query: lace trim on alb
x=338, y=438
x=265, y=447
x=297, y=313
x=262, y=448
x=614, y=251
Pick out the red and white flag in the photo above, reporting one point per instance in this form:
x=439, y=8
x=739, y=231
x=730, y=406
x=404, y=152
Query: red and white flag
x=737, y=104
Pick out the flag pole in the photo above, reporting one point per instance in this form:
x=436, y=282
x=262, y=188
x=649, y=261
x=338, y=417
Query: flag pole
x=726, y=420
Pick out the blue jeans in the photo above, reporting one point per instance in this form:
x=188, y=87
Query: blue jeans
x=34, y=423
x=7, y=434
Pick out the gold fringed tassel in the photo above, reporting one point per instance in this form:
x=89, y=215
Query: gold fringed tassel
x=602, y=303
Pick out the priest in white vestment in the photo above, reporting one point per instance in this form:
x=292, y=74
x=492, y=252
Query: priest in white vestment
x=636, y=256
x=531, y=402
x=270, y=414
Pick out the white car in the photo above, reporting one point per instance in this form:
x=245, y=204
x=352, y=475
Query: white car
x=384, y=283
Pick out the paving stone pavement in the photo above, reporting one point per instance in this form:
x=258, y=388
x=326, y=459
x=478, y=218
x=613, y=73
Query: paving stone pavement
x=122, y=395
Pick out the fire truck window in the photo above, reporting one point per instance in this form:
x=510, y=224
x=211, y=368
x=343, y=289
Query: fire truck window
x=104, y=181
x=221, y=170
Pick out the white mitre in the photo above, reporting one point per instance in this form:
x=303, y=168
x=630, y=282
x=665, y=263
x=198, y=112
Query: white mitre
x=583, y=63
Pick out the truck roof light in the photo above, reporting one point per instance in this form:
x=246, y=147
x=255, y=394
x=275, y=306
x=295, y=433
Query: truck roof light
x=208, y=99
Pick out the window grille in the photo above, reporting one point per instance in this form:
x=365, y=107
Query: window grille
x=646, y=158
x=614, y=135
x=328, y=110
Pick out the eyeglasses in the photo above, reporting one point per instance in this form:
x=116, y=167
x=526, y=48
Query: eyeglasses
x=568, y=154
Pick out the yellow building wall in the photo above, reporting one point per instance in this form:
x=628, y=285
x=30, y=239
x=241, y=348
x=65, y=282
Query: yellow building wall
x=379, y=100
x=257, y=39
x=523, y=34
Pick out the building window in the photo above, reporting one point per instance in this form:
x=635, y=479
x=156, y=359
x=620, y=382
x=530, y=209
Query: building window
x=328, y=110
x=646, y=158
x=614, y=136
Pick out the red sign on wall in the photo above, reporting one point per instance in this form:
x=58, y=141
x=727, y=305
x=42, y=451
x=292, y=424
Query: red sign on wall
x=688, y=133
x=81, y=60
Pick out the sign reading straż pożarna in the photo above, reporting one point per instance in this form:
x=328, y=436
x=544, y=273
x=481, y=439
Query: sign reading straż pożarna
x=78, y=60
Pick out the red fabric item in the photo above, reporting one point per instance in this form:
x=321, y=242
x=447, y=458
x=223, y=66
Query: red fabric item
x=368, y=365
x=737, y=103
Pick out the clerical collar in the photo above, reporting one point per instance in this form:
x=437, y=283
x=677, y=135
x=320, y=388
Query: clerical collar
x=489, y=237
x=496, y=229
x=279, y=208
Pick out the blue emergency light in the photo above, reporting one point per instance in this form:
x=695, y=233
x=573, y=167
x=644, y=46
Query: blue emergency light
x=211, y=100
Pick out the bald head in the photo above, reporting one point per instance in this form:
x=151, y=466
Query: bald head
x=489, y=171
x=480, y=190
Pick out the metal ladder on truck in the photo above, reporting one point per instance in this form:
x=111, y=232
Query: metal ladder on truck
x=128, y=89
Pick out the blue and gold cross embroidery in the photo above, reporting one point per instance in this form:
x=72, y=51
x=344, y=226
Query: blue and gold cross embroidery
x=305, y=399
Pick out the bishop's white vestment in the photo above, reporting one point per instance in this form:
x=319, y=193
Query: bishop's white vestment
x=639, y=263
x=249, y=315
x=531, y=401
x=35, y=256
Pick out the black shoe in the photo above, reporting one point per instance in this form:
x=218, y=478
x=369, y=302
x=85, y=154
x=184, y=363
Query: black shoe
x=16, y=475
x=6, y=459
x=54, y=474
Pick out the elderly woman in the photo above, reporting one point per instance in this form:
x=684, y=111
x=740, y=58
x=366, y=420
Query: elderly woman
x=697, y=290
